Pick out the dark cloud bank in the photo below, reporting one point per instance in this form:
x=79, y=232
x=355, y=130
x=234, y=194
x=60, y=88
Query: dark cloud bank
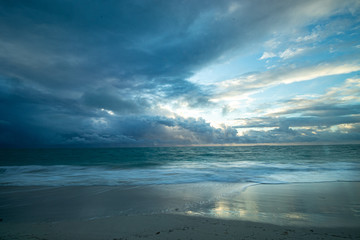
x=79, y=73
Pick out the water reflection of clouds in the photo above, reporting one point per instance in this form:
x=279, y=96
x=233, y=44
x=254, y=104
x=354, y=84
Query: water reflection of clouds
x=226, y=210
x=254, y=210
x=236, y=209
x=296, y=216
x=321, y=204
x=316, y=204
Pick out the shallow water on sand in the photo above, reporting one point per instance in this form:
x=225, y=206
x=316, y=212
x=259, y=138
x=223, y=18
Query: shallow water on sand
x=308, y=204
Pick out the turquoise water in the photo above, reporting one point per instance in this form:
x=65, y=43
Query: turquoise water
x=174, y=165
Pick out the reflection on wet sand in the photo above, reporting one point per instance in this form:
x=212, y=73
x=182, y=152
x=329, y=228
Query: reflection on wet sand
x=316, y=204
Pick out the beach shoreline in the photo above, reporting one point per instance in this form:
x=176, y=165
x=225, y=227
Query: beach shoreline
x=183, y=211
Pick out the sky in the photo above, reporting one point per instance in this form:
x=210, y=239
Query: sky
x=183, y=72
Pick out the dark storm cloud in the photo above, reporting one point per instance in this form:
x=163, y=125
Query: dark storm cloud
x=69, y=44
x=119, y=131
x=62, y=62
x=32, y=118
x=106, y=99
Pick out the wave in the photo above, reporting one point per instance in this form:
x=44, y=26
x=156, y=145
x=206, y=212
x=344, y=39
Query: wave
x=179, y=173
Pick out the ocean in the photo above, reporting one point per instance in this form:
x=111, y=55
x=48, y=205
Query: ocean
x=179, y=165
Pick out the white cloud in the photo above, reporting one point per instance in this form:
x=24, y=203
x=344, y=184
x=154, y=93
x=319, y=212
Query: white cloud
x=252, y=83
x=312, y=36
x=267, y=55
x=289, y=53
x=335, y=98
x=272, y=43
x=309, y=73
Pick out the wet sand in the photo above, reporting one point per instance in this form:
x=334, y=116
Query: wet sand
x=167, y=226
x=188, y=211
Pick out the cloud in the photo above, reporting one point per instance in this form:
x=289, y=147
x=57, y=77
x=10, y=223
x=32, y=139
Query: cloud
x=289, y=53
x=309, y=37
x=78, y=73
x=267, y=55
x=333, y=116
x=271, y=122
x=253, y=82
x=312, y=135
x=66, y=45
x=110, y=100
x=117, y=131
x=337, y=101
x=31, y=118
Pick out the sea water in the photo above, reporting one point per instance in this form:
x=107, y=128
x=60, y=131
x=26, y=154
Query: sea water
x=286, y=185
x=179, y=165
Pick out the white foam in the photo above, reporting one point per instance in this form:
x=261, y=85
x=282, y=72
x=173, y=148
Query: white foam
x=180, y=172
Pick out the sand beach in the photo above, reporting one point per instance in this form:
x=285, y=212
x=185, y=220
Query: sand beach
x=188, y=211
